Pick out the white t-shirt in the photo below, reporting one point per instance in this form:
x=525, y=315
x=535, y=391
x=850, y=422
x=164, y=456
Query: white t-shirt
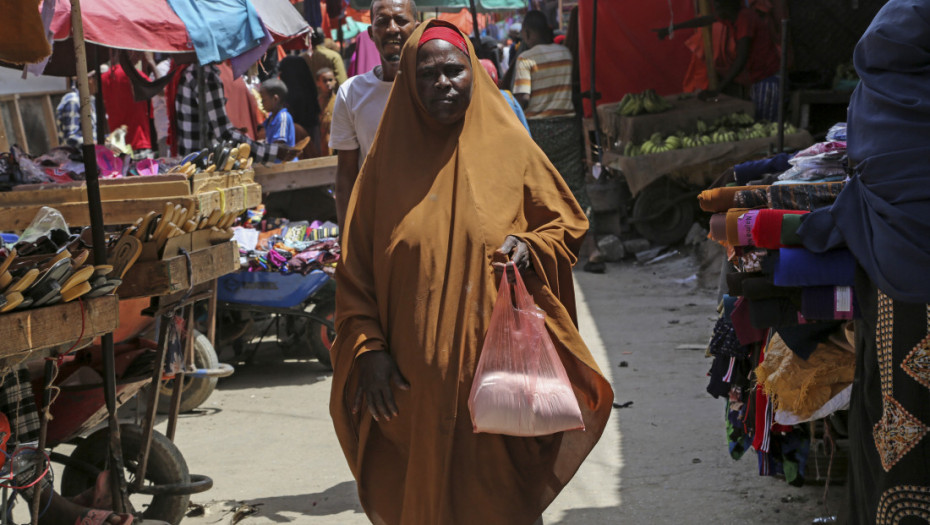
x=357, y=112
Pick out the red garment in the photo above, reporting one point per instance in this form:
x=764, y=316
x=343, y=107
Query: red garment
x=241, y=106
x=171, y=94
x=123, y=110
x=766, y=231
x=764, y=59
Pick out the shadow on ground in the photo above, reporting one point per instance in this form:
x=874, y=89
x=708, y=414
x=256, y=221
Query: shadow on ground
x=338, y=499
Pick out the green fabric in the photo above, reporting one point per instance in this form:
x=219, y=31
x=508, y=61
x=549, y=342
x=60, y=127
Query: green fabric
x=789, y=229
x=454, y=5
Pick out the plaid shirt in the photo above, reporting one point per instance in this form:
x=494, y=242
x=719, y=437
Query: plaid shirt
x=188, y=118
x=69, y=119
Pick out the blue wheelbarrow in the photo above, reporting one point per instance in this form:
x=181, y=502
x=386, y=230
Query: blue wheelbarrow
x=300, y=308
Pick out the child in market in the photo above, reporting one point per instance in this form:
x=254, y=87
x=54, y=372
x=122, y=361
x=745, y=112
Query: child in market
x=279, y=126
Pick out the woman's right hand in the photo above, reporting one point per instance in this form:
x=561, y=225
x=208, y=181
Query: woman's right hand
x=377, y=374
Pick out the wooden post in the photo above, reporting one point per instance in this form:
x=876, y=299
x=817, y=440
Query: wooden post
x=708, y=37
x=18, y=128
x=4, y=141
x=51, y=124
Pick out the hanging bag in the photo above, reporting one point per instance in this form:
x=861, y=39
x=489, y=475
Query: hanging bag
x=520, y=386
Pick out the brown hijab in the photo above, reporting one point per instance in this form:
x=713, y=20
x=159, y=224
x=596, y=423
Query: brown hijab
x=431, y=205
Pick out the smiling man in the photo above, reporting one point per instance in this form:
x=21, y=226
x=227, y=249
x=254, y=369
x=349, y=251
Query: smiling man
x=360, y=101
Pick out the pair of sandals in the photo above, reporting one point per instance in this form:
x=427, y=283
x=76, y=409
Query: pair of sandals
x=26, y=282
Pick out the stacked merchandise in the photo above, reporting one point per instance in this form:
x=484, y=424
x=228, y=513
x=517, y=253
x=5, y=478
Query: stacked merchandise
x=298, y=247
x=782, y=348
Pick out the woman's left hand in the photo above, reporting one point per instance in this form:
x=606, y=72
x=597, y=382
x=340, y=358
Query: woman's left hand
x=519, y=253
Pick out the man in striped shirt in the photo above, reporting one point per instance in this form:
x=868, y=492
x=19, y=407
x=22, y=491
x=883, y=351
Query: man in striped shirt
x=543, y=86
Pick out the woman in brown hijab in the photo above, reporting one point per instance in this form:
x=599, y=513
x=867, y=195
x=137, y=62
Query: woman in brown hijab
x=452, y=176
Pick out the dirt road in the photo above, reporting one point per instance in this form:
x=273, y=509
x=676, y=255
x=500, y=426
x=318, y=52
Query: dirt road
x=266, y=439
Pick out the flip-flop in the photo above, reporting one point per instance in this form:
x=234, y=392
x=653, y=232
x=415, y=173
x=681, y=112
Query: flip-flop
x=24, y=282
x=27, y=303
x=5, y=279
x=79, y=276
x=101, y=517
x=76, y=291
x=124, y=255
x=55, y=272
x=5, y=265
x=103, y=269
x=13, y=300
x=103, y=289
x=78, y=260
x=43, y=295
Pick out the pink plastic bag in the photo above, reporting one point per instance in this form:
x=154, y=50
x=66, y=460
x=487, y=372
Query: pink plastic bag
x=521, y=387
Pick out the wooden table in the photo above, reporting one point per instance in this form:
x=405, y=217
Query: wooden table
x=168, y=276
x=57, y=327
x=308, y=173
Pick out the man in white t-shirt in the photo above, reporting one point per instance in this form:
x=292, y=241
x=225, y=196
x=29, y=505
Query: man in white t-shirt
x=361, y=100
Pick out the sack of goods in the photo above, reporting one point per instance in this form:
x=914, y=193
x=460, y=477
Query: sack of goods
x=521, y=387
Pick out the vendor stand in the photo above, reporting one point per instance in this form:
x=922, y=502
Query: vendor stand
x=664, y=183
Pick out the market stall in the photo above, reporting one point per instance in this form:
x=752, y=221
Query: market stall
x=782, y=345
x=666, y=148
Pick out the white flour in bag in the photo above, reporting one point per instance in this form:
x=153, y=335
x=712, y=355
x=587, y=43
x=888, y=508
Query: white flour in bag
x=509, y=403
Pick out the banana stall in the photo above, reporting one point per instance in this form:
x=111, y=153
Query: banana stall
x=668, y=148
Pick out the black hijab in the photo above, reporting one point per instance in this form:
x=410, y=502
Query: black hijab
x=302, y=100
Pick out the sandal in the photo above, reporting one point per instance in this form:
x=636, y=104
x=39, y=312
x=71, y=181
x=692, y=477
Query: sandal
x=100, y=517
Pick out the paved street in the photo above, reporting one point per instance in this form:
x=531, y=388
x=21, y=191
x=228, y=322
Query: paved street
x=266, y=439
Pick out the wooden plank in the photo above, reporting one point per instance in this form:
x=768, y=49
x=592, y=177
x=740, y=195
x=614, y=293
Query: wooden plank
x=18, y=128
x=51, y=124
x=10, y=97
x=53, y=194
x=237, y=199
x=151, y=278
x=16, y=218
x=59, y=324
x=148, y=179
x=295, y=175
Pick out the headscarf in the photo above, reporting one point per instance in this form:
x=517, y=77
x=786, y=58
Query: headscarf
x=883, y=213
x=490, y=68
x=302, y=102
x=430, y=207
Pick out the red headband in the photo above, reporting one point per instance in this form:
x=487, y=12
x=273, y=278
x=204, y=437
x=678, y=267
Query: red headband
x=440, y=32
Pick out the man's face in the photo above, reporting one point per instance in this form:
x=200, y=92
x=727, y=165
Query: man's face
x=392, y=21
x=444, y=81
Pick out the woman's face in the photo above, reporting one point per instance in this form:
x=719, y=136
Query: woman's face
x=444, y=81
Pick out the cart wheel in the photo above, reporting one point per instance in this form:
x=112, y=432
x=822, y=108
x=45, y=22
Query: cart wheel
x=320, y=335
x=166, y=466
x=196, y=390
x=659, y=217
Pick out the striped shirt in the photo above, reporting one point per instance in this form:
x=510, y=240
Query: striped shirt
x=544, y=72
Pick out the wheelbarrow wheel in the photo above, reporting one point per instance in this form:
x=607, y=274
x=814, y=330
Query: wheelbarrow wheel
x=195, y=390
x=166, y=466
x=660, y=216
x=320, y=335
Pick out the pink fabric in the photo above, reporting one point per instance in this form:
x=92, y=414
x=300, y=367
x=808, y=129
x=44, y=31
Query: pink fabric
x=744, y=227
x=365, y=57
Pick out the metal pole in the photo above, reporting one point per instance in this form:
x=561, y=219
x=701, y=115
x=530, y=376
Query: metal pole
x=474, y=20
x=782, y=82
x=593, y=94
x=100, y=255
x=43, y=433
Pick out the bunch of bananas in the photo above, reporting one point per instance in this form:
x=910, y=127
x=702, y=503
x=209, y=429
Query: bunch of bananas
x=648, y=101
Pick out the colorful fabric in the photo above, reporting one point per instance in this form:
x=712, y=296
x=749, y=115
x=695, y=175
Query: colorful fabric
x=752, y=170
x=733, y=216
x=68, y=119
x=746, y=332
x=767, y=229
x=364, y=59
x=751, y=197
x=415, y=220
x=123, y=110
x=17, y=402
x=544, y=72
x=802, y=267
x=744, y=227
x=718, y=227
x=219, y=127
x=802, y=386
x=220, y=29
x=241, y=105
x=803, y=196
x=829, y=303
x=789, y=230
x=719, y=200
